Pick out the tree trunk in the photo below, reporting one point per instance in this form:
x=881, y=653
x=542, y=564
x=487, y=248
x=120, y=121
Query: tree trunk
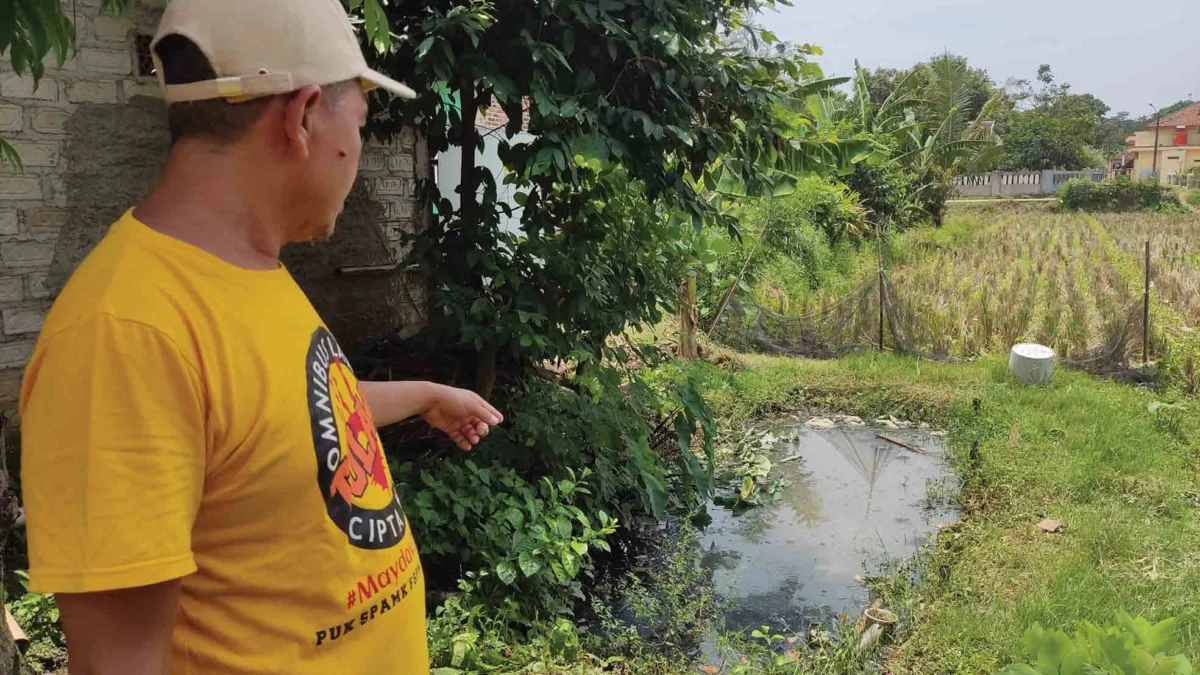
x=468, y=211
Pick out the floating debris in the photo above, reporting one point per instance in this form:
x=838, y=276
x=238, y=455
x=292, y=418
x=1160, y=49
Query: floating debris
x=820, y=423
x=907, y=445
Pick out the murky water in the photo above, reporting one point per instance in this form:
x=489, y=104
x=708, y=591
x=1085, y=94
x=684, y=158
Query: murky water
x=855, y=500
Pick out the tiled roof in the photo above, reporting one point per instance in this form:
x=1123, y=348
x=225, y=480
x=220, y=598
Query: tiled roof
x=1188, y=117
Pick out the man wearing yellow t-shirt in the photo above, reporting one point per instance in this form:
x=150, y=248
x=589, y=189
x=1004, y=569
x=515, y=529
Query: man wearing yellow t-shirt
x=204, y=485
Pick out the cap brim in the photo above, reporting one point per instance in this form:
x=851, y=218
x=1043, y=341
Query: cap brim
x=372, y=79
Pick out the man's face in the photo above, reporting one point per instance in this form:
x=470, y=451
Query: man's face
x=335, y=145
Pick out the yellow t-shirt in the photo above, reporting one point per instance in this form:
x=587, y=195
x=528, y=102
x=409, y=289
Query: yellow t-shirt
x=184, y=417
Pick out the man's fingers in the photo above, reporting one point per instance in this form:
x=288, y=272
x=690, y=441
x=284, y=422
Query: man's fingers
x=484, y=411
x=460, y=441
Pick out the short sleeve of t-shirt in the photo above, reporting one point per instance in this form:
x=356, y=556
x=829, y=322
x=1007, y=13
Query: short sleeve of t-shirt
x=113, y=457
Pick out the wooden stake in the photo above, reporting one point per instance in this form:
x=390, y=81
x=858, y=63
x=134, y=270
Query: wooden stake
x=1146, y=312
x=879, y=248
x=687, y=319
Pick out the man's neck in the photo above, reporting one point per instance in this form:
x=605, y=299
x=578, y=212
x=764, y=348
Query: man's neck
x=217, y=201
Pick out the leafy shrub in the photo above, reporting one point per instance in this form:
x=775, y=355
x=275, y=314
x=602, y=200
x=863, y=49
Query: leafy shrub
x=1120, y=194
x=466, y=637
x=607, y=427
x=887, y=192
x=1193, y=197
x=1135, y=647
x=674, y=601
x=810, y=238
x=818, y=202
x=37, y=614
x=520, y=538
x=932, y=195
x=520, y=519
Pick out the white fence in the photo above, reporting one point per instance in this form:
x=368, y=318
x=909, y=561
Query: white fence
x=1018, y=183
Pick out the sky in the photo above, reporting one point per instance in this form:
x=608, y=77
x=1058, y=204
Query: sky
x=1127, y=56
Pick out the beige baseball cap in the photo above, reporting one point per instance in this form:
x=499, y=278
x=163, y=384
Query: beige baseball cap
x=265, y=47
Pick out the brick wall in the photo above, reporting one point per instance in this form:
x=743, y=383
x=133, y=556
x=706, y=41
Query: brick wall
x=494, y=117
x=93, y=139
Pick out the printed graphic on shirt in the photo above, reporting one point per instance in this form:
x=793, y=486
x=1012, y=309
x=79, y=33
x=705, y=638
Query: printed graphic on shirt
x=352, y=471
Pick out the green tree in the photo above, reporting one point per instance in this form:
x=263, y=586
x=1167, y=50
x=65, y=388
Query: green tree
x=881, y=82
x=637, y=110
x=1056, y=129
x=932, y=127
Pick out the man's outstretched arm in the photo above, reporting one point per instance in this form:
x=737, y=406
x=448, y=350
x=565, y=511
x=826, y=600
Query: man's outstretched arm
x=463, y=415
x=124, y=632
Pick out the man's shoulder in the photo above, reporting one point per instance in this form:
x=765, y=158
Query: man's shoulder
x=119, y=279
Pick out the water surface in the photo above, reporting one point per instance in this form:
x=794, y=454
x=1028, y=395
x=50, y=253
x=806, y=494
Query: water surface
x=854, y=501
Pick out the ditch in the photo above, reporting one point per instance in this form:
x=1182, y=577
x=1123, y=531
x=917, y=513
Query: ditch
x=852, y=500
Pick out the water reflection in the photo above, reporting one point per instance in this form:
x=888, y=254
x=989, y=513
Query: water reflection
x=854, y=498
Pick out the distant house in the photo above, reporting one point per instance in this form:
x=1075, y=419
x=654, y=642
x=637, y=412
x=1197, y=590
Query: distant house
x=1178, y=144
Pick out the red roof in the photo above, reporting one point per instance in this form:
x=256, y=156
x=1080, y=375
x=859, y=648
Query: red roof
x=1188, y=117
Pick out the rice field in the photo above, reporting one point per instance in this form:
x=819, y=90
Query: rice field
x=1071, y=281
x=1039, y=277
x=1174, y=255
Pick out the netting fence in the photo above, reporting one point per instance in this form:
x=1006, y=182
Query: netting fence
x=876, y=315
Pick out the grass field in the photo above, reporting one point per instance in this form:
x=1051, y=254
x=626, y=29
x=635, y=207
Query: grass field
x=1123, y=479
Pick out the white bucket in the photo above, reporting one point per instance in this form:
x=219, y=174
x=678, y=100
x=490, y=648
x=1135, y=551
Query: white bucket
x=1031, y=363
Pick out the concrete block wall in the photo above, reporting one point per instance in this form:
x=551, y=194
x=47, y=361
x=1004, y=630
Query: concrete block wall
x=93, y=138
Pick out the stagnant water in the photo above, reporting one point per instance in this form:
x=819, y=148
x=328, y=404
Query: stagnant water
x=854, y=501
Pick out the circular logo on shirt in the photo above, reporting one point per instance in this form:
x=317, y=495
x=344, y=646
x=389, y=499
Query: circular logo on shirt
x=352, y=471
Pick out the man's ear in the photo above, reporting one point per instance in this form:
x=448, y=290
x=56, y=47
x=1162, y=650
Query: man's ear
x=296, y=119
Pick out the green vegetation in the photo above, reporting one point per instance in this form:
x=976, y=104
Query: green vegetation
x=1052, y=128
x=1117, y=470
x=1119, y=194
x=37, y=614
x=1136, y=647
x=638, y=112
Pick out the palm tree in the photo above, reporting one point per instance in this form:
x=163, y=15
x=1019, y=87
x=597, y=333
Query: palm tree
x=929, y=122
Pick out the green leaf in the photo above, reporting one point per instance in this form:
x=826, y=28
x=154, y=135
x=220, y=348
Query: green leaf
x=506, y=573
x=8, y=154
x=423, y=48
x=580, y=547
x=514, y=516
x=644, y=462
x=563, y=526
x=529, y=565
